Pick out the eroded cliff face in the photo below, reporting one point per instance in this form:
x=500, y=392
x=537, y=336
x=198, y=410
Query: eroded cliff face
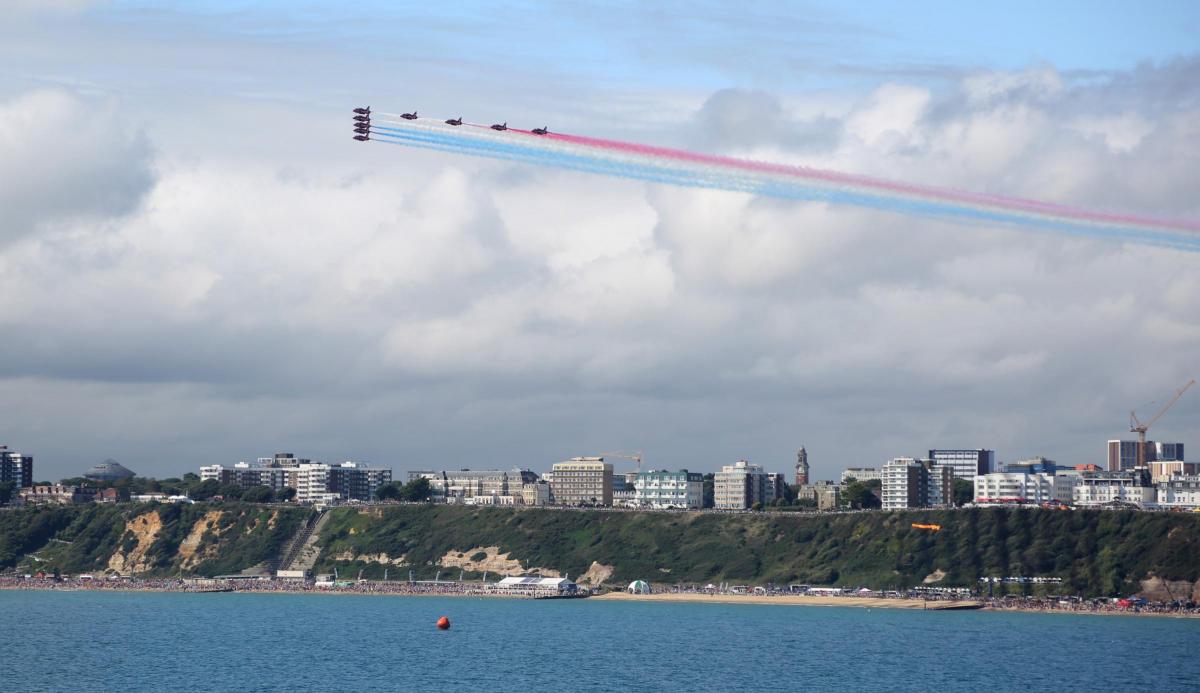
x=378, y=558
x=190, y=554
x=489, y=559
x=144, y=528
x=1158, y=590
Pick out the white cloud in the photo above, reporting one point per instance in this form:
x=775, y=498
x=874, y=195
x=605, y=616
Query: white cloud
x=62, y=158
x=436, y=305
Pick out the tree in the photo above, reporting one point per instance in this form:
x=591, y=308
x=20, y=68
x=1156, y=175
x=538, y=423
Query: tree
x=858, y=495
x=389, y=491
x=417, y=490
x=964, y=491
x=6, y=491
x=756, y=505
x=231, y=491
x=258, y=494
x=709, y=492
x=285, y=494
x=205, y=489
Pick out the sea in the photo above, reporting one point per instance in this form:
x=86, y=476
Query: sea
x=116, y=641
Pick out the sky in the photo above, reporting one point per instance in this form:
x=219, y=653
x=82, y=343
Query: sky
x=198, y=265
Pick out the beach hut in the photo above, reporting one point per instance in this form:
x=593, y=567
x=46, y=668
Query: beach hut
x=638, y=587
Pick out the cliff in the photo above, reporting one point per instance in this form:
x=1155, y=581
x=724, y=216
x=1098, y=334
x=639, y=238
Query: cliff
x=145, y=539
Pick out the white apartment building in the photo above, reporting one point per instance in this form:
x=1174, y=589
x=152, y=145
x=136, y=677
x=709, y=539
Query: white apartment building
x=1111, y=494
x=312, y=482
x=740, y=485
x=1016, y=488
x=667, y=489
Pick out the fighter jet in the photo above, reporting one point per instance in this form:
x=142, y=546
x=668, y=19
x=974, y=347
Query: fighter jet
x=362, y=138
x=409, y=116
x=540, y=131
x=500, y=126
x=362, y=129
x=363, y=111
x=362, y=118
x=454, y=121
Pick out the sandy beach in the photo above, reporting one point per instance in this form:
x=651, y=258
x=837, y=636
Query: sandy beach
x=791, y=600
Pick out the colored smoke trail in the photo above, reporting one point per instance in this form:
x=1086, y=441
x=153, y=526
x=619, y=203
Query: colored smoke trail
x=689, y=169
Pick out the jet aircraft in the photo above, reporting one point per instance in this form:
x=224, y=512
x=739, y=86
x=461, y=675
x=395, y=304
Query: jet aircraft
x=363, y=111
x=540, y=131
x=362, y=138
x=454, y=121
x=409, y=116
x=362, y=118
x=500, y=126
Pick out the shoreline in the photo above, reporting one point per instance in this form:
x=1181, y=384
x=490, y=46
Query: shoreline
x=899, y=604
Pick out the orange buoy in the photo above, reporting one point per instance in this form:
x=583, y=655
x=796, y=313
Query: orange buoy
x=443, y=623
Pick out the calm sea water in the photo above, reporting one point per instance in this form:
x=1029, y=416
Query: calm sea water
x=287, y=642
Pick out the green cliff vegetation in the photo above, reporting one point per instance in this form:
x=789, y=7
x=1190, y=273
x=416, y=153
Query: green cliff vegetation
x=144, y=539
x=1096, y=553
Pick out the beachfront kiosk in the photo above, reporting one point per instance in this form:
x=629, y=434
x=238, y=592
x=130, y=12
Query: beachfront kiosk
x=638, y=587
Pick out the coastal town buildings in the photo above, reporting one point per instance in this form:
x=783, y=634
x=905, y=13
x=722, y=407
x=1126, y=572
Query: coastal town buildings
x=455, y=485
x=1023, y=488
x=1123, y=454
x=536, y=493
x=56, y=494
x=966, y=464
x=740, y=485
x=1165, y=470
x=802, y=467
x=826, y=494
x=1036, y=465
x=15, y=468
x=861, y=474
x=1179, y=492
x=315, y=482
x=662, y=489
x=1129, y=487
x=583, y=481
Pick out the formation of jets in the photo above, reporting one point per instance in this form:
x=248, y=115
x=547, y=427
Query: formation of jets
x=362, y=123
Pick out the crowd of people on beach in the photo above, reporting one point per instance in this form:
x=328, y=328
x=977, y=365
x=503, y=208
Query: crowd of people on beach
x=459, y=588
x=1092, y=606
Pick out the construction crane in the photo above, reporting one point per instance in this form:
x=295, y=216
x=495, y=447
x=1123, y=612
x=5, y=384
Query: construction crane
x=1136, y=426
x=635, y=456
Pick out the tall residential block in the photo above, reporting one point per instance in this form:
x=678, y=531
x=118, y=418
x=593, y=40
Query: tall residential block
x=583, y=481
x=16, y=468
x=912, y=483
